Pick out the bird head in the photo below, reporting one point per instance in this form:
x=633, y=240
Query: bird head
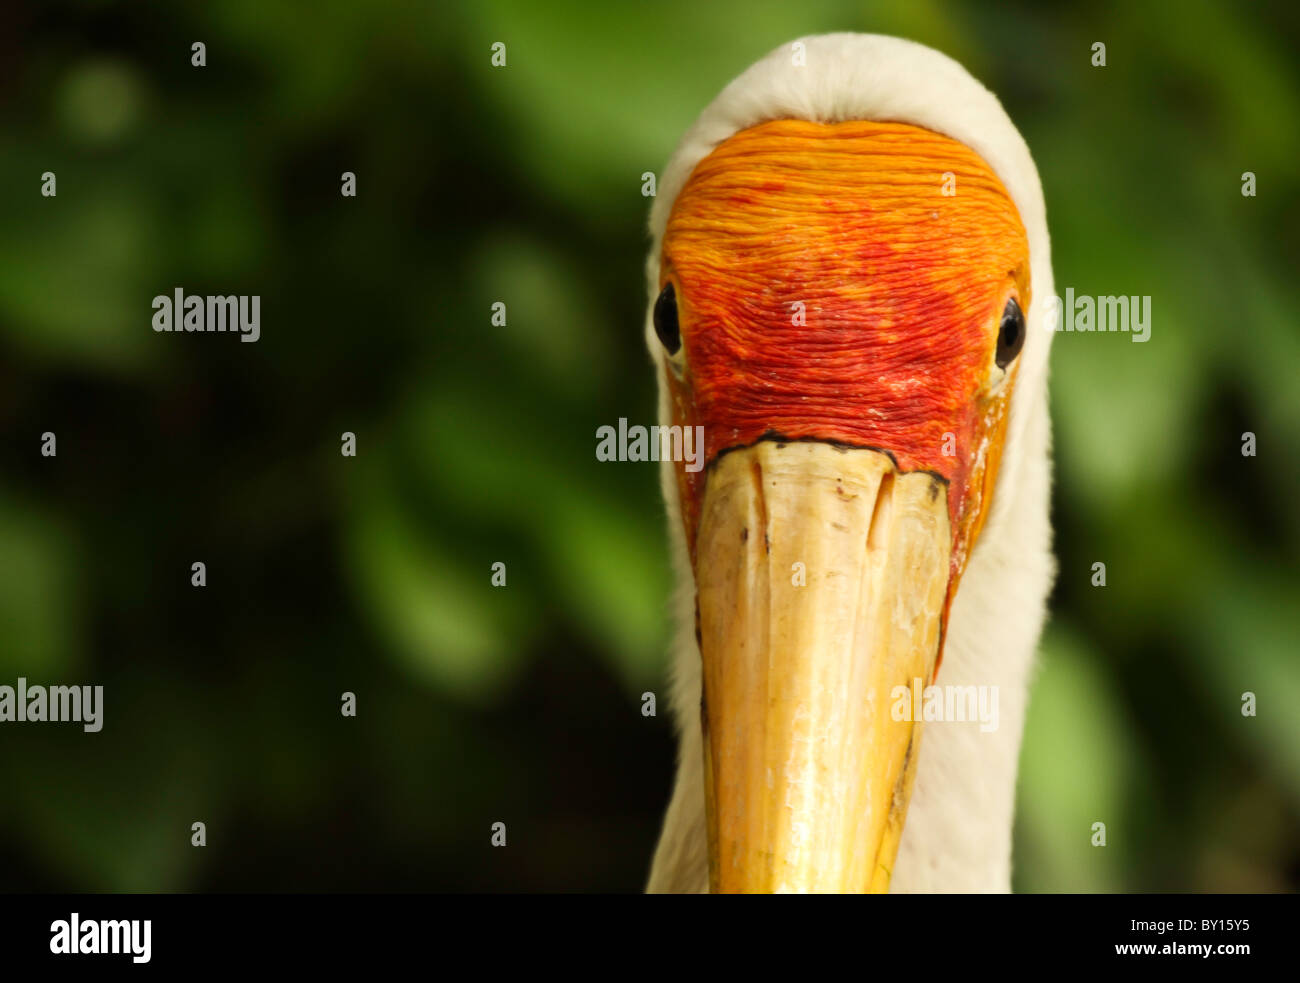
x=840, y=306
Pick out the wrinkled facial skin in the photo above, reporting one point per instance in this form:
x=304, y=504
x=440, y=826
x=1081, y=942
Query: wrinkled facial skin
x=844, y=283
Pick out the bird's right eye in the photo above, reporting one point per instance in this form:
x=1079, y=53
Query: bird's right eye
x=1011, y=334
x=665, y=317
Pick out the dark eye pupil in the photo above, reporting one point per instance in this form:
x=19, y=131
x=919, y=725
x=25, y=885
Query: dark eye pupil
x=1011, y=334
x=665, y=315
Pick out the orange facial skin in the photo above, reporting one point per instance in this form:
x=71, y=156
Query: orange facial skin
x=829, y=289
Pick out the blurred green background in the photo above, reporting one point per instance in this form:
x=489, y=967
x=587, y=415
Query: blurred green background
x=476, y=442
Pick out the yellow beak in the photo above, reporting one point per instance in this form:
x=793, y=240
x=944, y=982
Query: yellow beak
x=822, y=574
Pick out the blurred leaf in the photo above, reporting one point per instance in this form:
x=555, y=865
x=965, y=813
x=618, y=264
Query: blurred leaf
x=1077, y=761
x=432, y=606
x=40, y=596
x=100, y=100
x=71, y=280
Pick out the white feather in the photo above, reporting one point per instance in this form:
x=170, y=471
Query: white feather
x=958, y=831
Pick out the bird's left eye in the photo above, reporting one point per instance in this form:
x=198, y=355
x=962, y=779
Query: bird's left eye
x=665, y=317
x=1011, y=334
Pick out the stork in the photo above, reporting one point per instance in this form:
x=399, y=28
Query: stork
x=850, y=292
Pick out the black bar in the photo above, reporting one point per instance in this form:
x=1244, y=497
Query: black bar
x=204, y=932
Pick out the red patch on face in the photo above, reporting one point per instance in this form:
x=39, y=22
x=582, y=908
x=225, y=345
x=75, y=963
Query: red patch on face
x=829, y=289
